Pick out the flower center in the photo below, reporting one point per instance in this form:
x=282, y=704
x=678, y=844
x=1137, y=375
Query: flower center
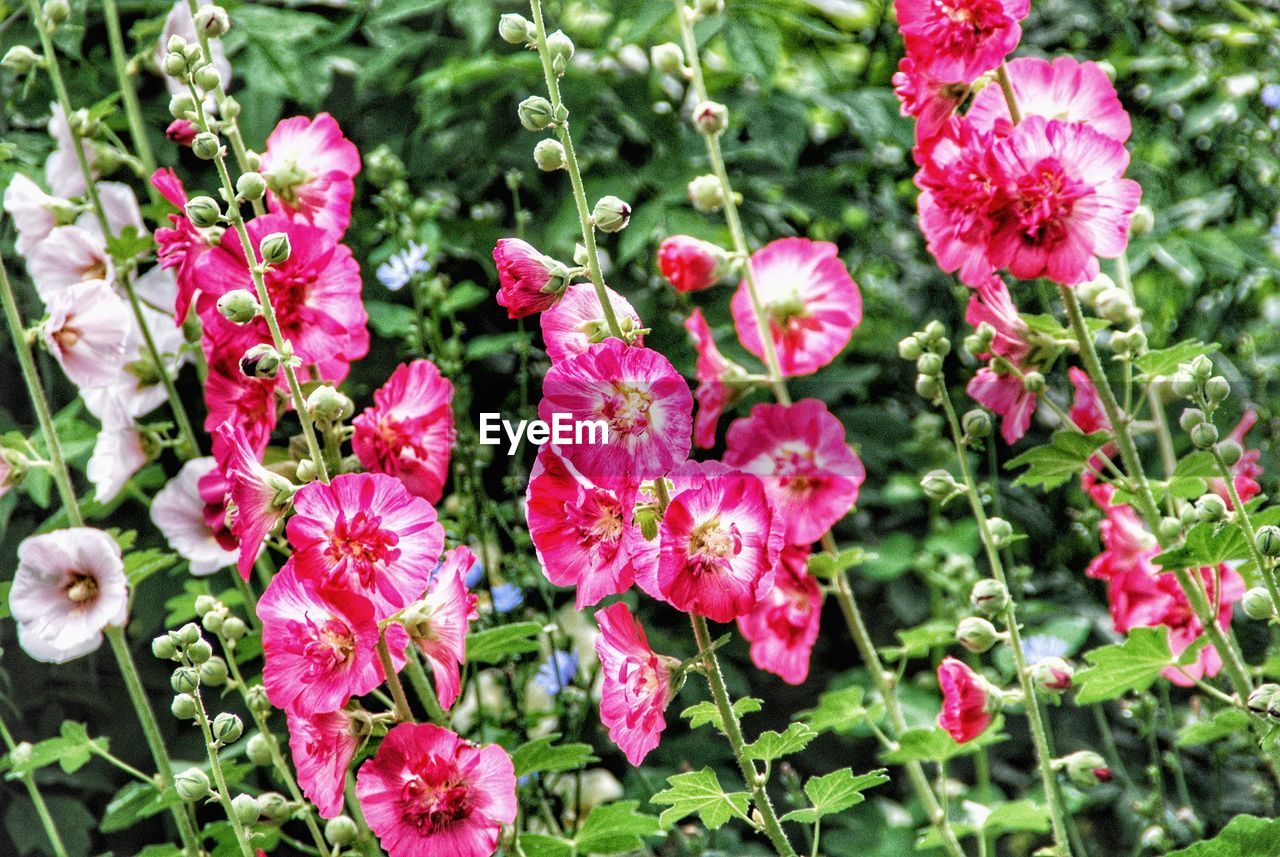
x=597, y=518
x=794, y=465
x=711, y=545
x=361, y=541
x=435, y=797
x=285, y=179
x=67, y=338
x=960, y=24
x=326, y=647
x=1046, y=197
x=81, y=589
x=627, y=409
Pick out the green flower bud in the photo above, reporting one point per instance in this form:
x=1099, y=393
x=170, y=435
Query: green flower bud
x=206, y=78
x=164, y=648
x=1257, y=604
x=1001, y=531
x=192, y=784
x=213, y=672
x=977, y=423
x=1086, y=769
x=203, y=211
x=206, y=146
x=239, y=306
x=273, y=805
x=667, y=58
x=328, y=405
x=976, y=634
x=188, y=633
x=929, y=363
x=549, y=155
x=56, y=11
x=212, y=20
x=246, y=810
x=1053, y=674
x=989, y=596
x=706, y=194
x=22, y=753
x=709, y=7
x=230, y=109
x=1267, y=540
x=275, y=248
x=560, y=47
x=1169, y=529
x=927, y=386
x=307, y=472
x=199, y=651
x=535, y=113
x=1204, y=435
x=1260, y=699
x=1191, y=418
x=1211, y=508
x=939, y=485
x=258, y=749
x=184, y=680
x=234, y=628
x=340, y=831
x=227, y=728
x=1200, y=367
x=20, y=59
x=1143, y=220
x=1216, y=389
x=175, y=64
x=1231, y=452
x=205, y=604
x=710, y=117
x=260, y=361
x=1184, y=384
x=909, y=348
x=515, y=29
x=1089, y=292
x=1033, y=382
x=1114, y=305
x=176, y=44
x=181, y=105
x=611, y=214
x=256, y=699
x=183, y=706
x=251, y=186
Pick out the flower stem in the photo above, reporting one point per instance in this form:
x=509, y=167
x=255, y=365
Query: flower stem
x=403, y=712
x=220, y=781
x=733, y=731
x=33, y=791
x=425, y=692
x=366, y=839
x=128, y=95
x=1241, y=515
x=575, y=173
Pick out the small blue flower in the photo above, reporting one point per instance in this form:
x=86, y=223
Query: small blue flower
x=507, y=597
x=1039, y=646
x=558, y=672
x=474, y=575
x=396, y=272
x=1271, y=95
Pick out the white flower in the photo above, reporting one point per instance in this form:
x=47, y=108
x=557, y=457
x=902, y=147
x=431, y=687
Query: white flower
x=396, y=272
x=62, y=169
x=117, y=455
x=87, y=331
x=32, y=211
x=178, y=510
x=68, y=255
x=120, y=205
x=70, y=584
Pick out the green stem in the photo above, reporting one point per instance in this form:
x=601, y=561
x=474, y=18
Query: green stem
x=403, y=712
x=367, y=841
x=1241, y=515
x=33, y=791
x=575, y=173
x=243, y=838
x=733, y=731
x=425, y=692
x=1010, y=98
x=128, y=95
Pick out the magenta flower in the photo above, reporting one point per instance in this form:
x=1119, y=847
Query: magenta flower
x=637, y=394
x=637, y=683
x=428, y=792
x=364, y=534
x=322, y=746
x=577, y=321
x=930, y=100
x=800, y=454
x=528, y=281
x=1066, y=89
x=688, y=263
x=967, y=704
x=959, y=187
x=230, y=396
x=261, y=498
x=960, y=39
x=181, y=245
x=438, y=623
x=181, y=131
x=783, y=626
x=810, y=301
x=714, y=394
x=409, y=431
x=1003, y=394
x=309, y=167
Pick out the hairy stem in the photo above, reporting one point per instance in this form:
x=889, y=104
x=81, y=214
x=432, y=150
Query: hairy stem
x=243, y=838
x=128, y=95
x=33, y=791
x=403, y=712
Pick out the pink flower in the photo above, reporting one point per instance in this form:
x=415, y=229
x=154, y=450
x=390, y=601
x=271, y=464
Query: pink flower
x=181, y=245
x=583, y=532
x=783, y=626
x=178, y=511
x=322, y=746
x=69, y=585
x=86, y=331
x=930, y=100
x=1068, y=90
x=637, y=394
x=34, y=212
x=688, y=263
x=309, y=167
x=409, y=431
x=637, y=683
x=438, y=624
x=959, y=187
x=181, y=131
x=214, y=493
x=960, y=39
x=528, y=281
x=1003, y=394
x=719, y=540
x=714, y=395
x=428, y=792
x=1127, y=545
x=800, y=453
x=1245, y=471
x=66, y=257
x=62, y=171
x=810, y=301
x=966, y=703
x=1086, y=411
x=1065, y=201
x=315, y=294
x=363, y=533
x=319, y=651
x=261, y=498
x=230, y=396
x=577, y=321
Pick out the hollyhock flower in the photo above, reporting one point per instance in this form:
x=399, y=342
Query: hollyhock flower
x=181, y=23
x=231, y=397
x=719, y=542
x=688, y=263
x=396, y=272
x=68, y=256
x=34, y=212
x=966, y=701
x=178, y=510
x=364, y=533
x=1065, y=89
x=583, y=532
x=783, y=626
x=800, y=454
x=318, y=651
x=87, y=332
x=180, y=246
x=438, y=624
x=714, y=393
x=637, y=394
x=930, y=100
x=528, y=281
x=409, y=431
x=427, y=791
x=120, y=205
x=62, y=168
x=960, y=40
x=810, y=301
x=1089, y=415
x=309, y=167
x=315, y=295
x=578, y=321
x=69, y=586
x=181, y=131
x=322, y=746
x=637, y=683
x=1246, y=471
x=1002, y=393
x=462, y=560
x=118, y=453
x=1065, y=201
x=959, y=187
x=261, y=498
x=1127, y=544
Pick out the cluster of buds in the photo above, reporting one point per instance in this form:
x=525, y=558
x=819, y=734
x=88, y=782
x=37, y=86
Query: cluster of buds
x=197, y=665
x=928, y=348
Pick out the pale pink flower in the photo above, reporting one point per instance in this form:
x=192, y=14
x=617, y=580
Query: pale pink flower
x=714, y=392
x=960, y=39
x=69, y=255
x=528, y=281
x=309, y=167
x=577, y=321
x=69, y=586
x=811, y=304
x=409, y=431
x=783, y=626
x=120, y=205
x=930, y=100
x=322, y=746
x=1065, y=89
x=62, y=171
x=87, y=331
x=637, y=683
x=178, y=511
x=118, y=453
x=261, y=498
x=428, y=792
x=33, y=211
x=363, y=533
x=438, y=623
x=800, y=453
x=688, y=263
x=637, y=394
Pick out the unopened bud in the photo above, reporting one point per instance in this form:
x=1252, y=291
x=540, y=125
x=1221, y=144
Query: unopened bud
x=1257, y=604
x=188, y=633
x=1168, y=529
x=1204, y=435
x=1259, y=701
x=929, y=363
x=990, y=596
x=256, y=698
x=1086, y=768
x=1089, y=292
x=258, y=749
x=1267, y=540
x=1200, y=367
x=183, y=706
x=1191, y=418
x=206, y=146
x=192, y=784
x=20, y=59
x=1053, y=674
x=199, y=651
x=327, y=405
x=251, y=186
x=340, y=831
x=710, y=117
x=261, y=361
x=1001, y=531
x=246, y=810
x=535, y=113
x=212, y=20
x=275, y=248
x=273, y=806
x=667, y=58
x=1211, y=508
x=175, y=64
x=976, y=634
x=611, y=214
x=977, y=423
x=549, y=155
x=1230, y=451
x=1184, y=384
x=560, y=47
x=927, y=386
x=164, y=648
x=213, y=672
x=206, y=78
x=515, y=29
x=1143, y=220
x=184, y=680
x=212, y=621
x=233, y=628
x=1114, y=305
x=706, y=193
x=239, y=306
x=1033, y=382
x=909, y=348
x=203, y=211
x=56, y=11
x=1216, y=389
x=227, y=727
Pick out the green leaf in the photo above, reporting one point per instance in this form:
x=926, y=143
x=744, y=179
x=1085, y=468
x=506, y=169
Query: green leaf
x=463, y=296
x=827, y=566
x=1245, y=836
x=1129, y=666
x=775, y=745
x=1227, y=722
x=492, y=645
x=480, y=347
x=935, y=745
x=1166, y=360
x=71, y=751
x=139, y=565
x=545, y=756
x=129, y=245
x=134, y=802
x=835, y=792
x=1018, y=815
x=1207, y=544
x=706, y=712
x=391, y=321
x=540, y=845
x=699, y=793
x=616, y=828
x=1058, y=461
x=840, y=711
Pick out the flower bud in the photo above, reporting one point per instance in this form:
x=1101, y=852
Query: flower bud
x=1259, y=701
x=611, y=214
x=1273, y=706
x=929, y=363
x=977, y=423
x=940, y=485
x=206, y=603
x=1200, y=367
x=1001, y=531
x=1089, y=292
x=183, y=706
x=251, y=186
x=976, y=634
x=1267, y=540
x=535, y=113
x=199, y=652
x=260, y=361
x=203, y=211
x=275, y=248
x=1184, y=384
x=560, y=47
x=909, y=348
x=1143, y=221
x=1204, y=435
x=1114, y=305
x=192, y=784
x=306, y=472
x=256, y=698
x=20, y=59
x=246, y=810
x=667, y=58
x=273, y=806
x=710, y=117
x=1086, y=769
x=340, y=831
x=188, y=633
x=1216, y=389
x=1033, y=382
x=239, y=306
x=1211, y=508
x=230, y=109
x=227, y=727
x=213, y=672
x=212, y=20
x=1168, y=529
x=22, y=753
x=515, y=29
x=164, y=648
x=174, y=63
x=1053, y=674
x=212, y=621
x=927, y=386
x=180, y=107
x=549, y=155
x=1257, y=603
x=706, y=194
x=328, y=405
x=1191, y=418
x=989, y=596
x=206, y=78
x=709, y=7
x=258, y=749
x=1230, y=451
x=56, y=11
x=184, y=680
x=206, y=146
x=234, y=628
